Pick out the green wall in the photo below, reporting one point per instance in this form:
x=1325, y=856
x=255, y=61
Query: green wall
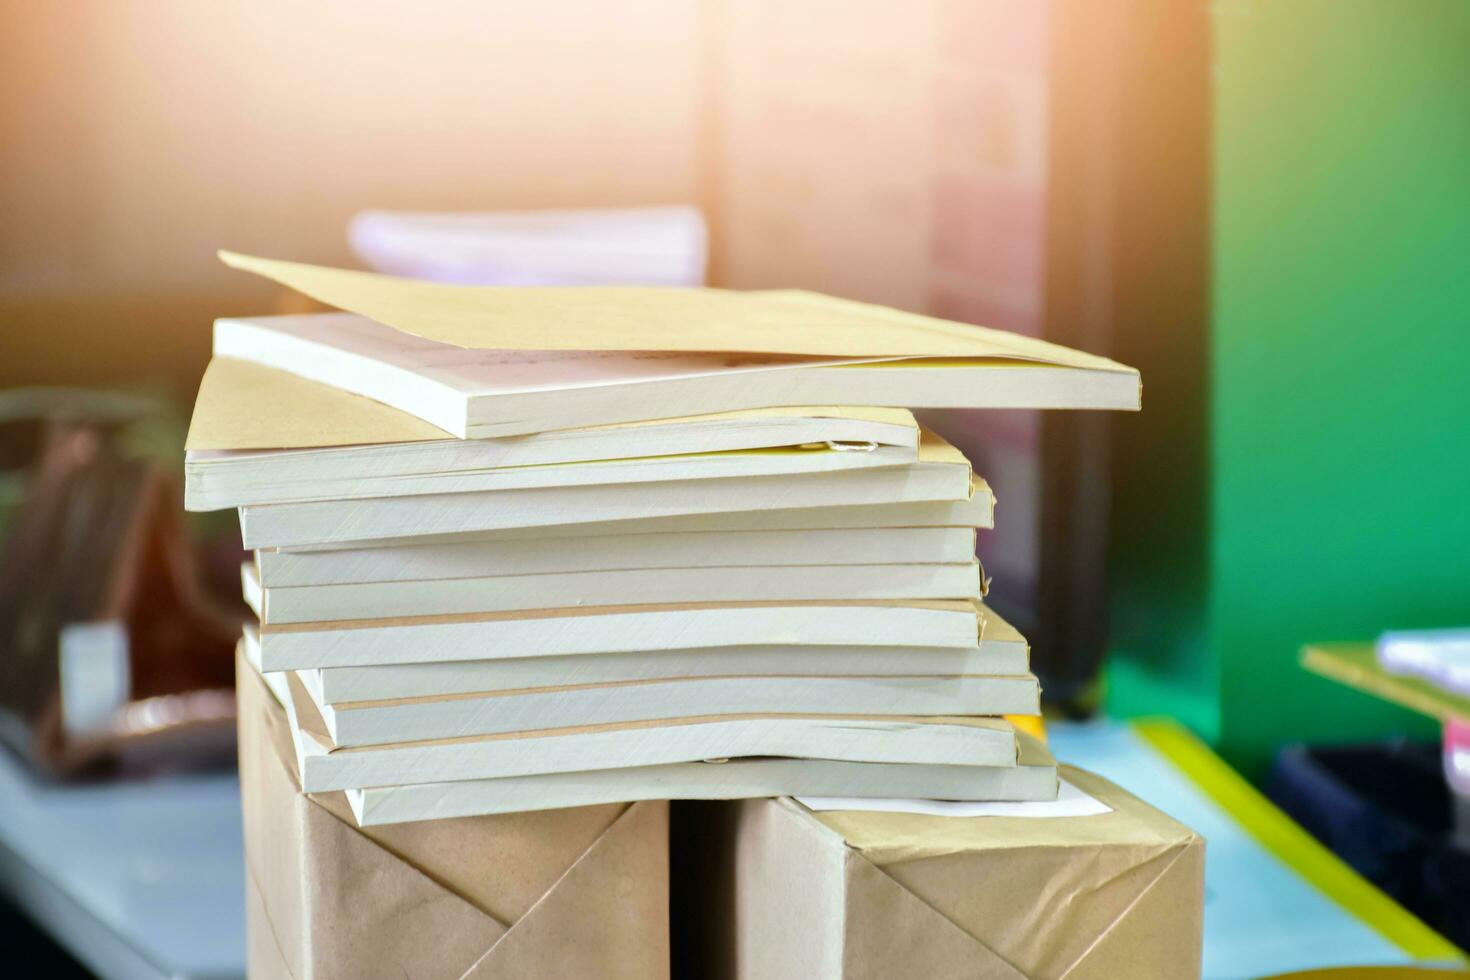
x=1337, y=419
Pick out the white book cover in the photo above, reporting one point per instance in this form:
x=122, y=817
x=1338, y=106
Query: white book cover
x=619, y=629
x=477, y=393
x=617, y=587
x=495, y=713
x=459, y=558
x=999, y=651
x=1033, y=780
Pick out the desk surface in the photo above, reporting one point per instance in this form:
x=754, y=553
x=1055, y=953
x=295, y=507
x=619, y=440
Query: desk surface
x=1356, y=665
x=135, y=879
x=145, y=879
x=1262, y=917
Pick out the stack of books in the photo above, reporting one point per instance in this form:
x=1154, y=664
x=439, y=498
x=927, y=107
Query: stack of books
x=520, y=549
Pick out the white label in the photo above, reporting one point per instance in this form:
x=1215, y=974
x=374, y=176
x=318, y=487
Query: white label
x=95, y=674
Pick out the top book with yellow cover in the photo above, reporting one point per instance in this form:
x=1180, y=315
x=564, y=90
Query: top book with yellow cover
x=504, y=360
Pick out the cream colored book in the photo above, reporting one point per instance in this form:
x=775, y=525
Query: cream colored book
x=1033, y=779
x=941, y=474
x=976, y=512
x=908, y=741
x=479, y=393
x=418, y=719
x=999, y=651
x=968, y=742
x=620, y=629
x=458, y=558
x=490, y=361
x=206, y=494
x=341, y=684
x=324, y=767
x=248, y=418
x=556, y=590
x=247, y=407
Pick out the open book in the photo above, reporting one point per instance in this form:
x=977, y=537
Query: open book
x=481, y=361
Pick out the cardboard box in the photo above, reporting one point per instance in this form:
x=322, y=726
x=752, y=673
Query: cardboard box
x=861, y=896
x=566, y=893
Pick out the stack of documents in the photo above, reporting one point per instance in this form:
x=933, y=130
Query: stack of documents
x=531, y=548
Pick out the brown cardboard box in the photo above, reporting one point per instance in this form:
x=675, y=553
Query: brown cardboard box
x=863, y=896
x=565, y=893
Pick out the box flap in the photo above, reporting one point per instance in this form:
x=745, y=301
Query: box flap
x=892, y=838
x=1108, y=895
x=891, y=932
x=606, y=917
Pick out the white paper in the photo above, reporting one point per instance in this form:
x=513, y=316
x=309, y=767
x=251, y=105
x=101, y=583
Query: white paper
x=1070, y=802
x=1439, y=656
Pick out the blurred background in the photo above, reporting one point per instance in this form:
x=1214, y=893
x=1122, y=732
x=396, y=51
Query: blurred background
x=1265, y=206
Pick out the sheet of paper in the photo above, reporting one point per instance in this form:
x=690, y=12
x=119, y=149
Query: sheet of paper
x=652, y=318
x=1441, y=656
x=1070, y=802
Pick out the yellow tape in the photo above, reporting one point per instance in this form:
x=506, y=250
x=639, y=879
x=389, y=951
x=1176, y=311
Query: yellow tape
x=1032, y=725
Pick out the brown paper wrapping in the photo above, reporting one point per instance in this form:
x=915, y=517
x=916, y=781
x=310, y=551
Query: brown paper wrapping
x=567, y=893
x=864, y=896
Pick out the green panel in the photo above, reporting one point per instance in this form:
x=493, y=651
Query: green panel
x=1340, y=350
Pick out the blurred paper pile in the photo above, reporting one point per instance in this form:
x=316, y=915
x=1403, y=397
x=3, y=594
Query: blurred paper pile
x=649, y=246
